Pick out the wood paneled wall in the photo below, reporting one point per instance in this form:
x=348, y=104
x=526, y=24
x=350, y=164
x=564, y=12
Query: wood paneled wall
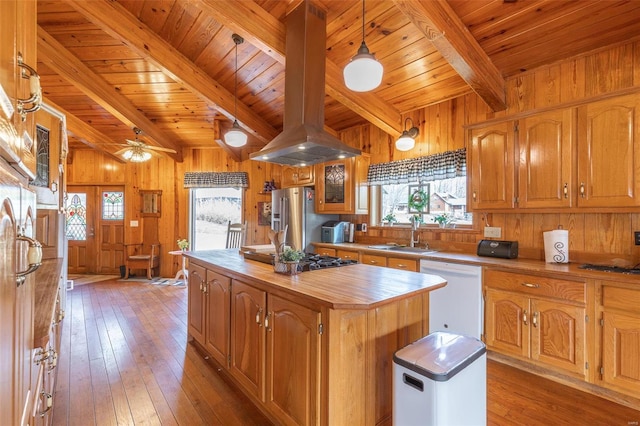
x=593, y=236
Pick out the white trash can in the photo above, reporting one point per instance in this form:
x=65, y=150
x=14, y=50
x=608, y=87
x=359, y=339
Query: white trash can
x=440, y=380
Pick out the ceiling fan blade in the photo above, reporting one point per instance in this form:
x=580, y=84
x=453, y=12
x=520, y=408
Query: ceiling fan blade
x=159, y=148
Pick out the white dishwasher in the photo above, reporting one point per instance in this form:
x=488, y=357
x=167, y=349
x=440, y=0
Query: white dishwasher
x=457, y=307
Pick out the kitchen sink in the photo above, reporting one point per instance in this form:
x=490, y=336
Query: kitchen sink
x=405, y=249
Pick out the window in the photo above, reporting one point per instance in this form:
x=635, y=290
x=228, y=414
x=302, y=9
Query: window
x=445, y=196
x=421, y=188
x=77, y=217
x=112, y=205
x=211, y=211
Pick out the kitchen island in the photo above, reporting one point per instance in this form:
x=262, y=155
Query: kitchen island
x=312, y=348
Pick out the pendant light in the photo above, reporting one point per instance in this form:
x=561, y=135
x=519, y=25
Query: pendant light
x=407, y=140
x=236, y=137
x=364, y=72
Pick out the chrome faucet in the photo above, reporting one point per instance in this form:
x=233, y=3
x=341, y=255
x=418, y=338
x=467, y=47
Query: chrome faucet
x=415, y=224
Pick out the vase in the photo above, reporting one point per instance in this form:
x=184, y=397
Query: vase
x=442, y=225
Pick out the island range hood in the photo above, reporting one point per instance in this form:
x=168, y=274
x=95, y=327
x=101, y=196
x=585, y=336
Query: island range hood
x=303, y=140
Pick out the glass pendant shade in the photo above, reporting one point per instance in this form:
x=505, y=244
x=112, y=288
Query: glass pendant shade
x=136, y=155
x=235, y=137
x=405, y=142
x=364, y=72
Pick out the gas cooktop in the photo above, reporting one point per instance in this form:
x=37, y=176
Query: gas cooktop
x=310, y=262
x=610, y=268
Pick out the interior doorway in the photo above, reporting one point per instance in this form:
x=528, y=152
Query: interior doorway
x=95, y=229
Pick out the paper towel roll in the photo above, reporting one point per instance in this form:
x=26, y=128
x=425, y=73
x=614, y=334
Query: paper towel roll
x=556, y=246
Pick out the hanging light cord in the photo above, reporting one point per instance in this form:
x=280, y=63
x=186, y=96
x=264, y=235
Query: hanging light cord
x=235, y=87
x=363, y=20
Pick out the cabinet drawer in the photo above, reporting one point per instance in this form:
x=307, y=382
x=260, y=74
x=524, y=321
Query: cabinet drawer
x=324, y=251
x=536, y=286
x=372, y=259
x=347, y=254
x=404, y=264
x=621, y=298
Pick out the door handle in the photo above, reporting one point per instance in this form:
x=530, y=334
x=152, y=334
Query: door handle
x=34, y=257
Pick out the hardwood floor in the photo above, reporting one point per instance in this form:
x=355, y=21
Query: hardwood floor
x=125, y=360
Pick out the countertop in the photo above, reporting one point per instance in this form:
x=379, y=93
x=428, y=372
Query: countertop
x=569, y=270
x=349, y=287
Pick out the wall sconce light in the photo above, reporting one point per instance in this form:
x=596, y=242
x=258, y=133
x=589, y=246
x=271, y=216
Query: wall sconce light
x=364, y=72
x=236, y=137
x=35, y=91
x=407, y=140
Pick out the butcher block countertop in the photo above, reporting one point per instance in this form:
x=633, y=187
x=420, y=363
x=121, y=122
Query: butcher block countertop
x=570, y=270
x=347, y=287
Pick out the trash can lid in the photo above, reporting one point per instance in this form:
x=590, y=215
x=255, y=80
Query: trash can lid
x=440, y=355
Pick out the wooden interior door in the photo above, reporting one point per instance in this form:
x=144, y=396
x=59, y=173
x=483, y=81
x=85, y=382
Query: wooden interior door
x=95, y=241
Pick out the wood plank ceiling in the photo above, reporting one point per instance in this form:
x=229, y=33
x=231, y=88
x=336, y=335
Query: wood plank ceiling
x=167, y=66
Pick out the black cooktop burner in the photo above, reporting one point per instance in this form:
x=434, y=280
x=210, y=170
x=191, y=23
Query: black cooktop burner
x=610, y=268
x=310, y=262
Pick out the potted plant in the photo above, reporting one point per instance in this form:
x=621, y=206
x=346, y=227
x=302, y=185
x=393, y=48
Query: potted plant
x=442, y=219
x=291, y=255
x=390, y=219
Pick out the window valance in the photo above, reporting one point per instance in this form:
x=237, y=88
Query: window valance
x=445, y=165
x=216, y=180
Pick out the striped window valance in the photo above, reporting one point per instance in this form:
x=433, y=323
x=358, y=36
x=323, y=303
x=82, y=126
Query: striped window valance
x=216, y=180
x=446, y=165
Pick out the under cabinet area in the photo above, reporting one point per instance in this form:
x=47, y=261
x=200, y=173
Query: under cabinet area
x=619, y=311
x=540, y=319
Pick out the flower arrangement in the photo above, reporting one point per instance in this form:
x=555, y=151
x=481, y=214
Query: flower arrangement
x=183, y=244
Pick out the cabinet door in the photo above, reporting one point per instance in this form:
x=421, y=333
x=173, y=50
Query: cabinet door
x=609, y=153
x=372, y=259
x=621, y=349
x=507, y=318
x=218, y=307
x=404, y=264
x=297, y=176
x=347, y=254
x=293, y=357
x=492, y=167
x=545, y=142
x=248, y=309
x=334, y=186
x=361, y=188
x=197, y=284
x=558, y=336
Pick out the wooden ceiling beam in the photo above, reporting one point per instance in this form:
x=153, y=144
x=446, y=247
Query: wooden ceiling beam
x=85, y=133
x=116, y=21
x=439, y=23
x=266, y=32
x=67, y=65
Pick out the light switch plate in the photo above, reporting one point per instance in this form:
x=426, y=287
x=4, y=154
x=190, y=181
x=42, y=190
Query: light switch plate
x=133, y=223
x=492, y=232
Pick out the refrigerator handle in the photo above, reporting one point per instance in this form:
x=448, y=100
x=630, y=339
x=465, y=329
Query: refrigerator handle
x=284, y=216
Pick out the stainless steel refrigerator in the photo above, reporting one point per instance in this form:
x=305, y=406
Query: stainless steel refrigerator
x=295, y=208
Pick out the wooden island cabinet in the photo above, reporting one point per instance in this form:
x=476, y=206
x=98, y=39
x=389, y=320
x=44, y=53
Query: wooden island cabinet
x=313, y=348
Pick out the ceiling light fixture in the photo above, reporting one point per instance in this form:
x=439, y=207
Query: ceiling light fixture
x=135, y=153
x=407, y=140
x=236, y=137
x=364, y=72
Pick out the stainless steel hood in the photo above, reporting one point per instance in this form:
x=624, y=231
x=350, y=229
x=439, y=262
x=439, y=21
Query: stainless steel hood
x=303, y=139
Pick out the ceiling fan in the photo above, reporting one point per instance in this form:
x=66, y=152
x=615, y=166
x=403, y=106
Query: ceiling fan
x=138, y=151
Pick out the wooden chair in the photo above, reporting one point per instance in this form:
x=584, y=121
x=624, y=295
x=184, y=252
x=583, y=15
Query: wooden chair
x=142, y=256
x=236, y=234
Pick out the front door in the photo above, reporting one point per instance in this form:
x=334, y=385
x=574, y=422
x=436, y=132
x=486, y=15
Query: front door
x=95, y=229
